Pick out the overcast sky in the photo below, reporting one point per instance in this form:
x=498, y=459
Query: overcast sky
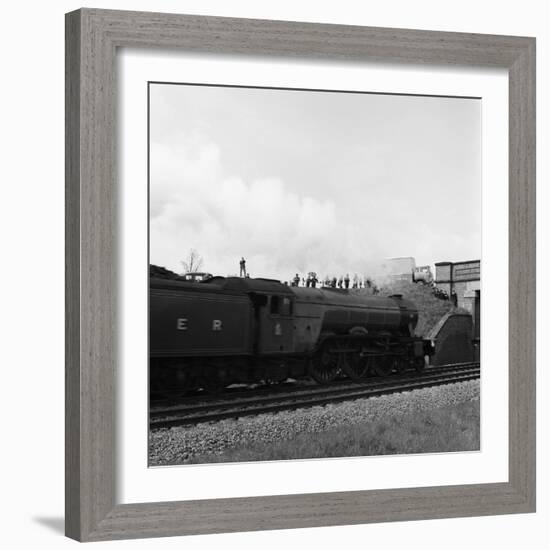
x=300, y=181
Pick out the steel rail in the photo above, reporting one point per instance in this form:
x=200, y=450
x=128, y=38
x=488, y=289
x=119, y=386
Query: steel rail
x=180, y=402
x=309, y=397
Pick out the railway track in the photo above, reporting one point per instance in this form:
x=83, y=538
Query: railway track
x=252, y=402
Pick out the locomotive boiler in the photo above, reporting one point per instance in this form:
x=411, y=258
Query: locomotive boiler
x=227, y=330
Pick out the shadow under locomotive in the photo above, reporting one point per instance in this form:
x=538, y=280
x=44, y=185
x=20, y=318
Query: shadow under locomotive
x=241, y=330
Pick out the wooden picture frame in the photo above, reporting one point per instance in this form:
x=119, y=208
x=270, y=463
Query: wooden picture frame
x=92, y=38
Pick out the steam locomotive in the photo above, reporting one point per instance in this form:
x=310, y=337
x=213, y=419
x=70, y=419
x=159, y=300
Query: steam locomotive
x=222, y=330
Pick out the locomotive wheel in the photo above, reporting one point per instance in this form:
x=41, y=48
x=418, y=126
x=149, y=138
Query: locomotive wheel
x=212, y=385
x=323, y=367
x=210, y=380
x=370, y=362
x=383, y=366
x=169, y=377
x=355, y=366
x=275, y=373
x=401, y=365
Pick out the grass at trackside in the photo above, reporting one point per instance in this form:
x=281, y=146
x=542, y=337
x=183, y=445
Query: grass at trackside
x=447, y=429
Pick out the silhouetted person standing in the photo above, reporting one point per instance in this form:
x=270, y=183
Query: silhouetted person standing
x=242, y=264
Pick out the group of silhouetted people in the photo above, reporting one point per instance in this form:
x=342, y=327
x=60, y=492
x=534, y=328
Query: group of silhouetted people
x=312, y=281
x=342, y=282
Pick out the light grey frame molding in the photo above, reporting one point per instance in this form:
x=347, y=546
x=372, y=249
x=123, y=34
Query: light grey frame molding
x=92, y=38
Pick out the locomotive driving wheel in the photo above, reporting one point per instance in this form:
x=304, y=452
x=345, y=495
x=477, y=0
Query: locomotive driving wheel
x=355, y=366
x=383, y=365
x=323, y=367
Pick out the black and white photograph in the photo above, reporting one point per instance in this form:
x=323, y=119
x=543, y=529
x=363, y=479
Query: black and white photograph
x=314, y=273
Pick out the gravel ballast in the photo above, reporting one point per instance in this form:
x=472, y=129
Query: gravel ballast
x=178, y=445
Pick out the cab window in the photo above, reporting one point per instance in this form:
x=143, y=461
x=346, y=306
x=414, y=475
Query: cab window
x=286, y=308
x=280, y=305
x=275, y=305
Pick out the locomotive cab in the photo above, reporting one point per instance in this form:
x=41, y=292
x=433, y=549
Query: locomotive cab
x=273, y=316
x=273, y=305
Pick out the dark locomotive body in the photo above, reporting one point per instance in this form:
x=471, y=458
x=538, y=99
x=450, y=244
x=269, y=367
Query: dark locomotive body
x=228, y=330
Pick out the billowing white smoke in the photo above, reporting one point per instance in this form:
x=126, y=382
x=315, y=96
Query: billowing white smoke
x=279, y=232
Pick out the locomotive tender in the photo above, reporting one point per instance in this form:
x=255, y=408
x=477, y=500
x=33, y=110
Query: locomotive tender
x=225, y=330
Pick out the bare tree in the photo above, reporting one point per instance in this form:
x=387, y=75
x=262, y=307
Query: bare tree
x=193, y=263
